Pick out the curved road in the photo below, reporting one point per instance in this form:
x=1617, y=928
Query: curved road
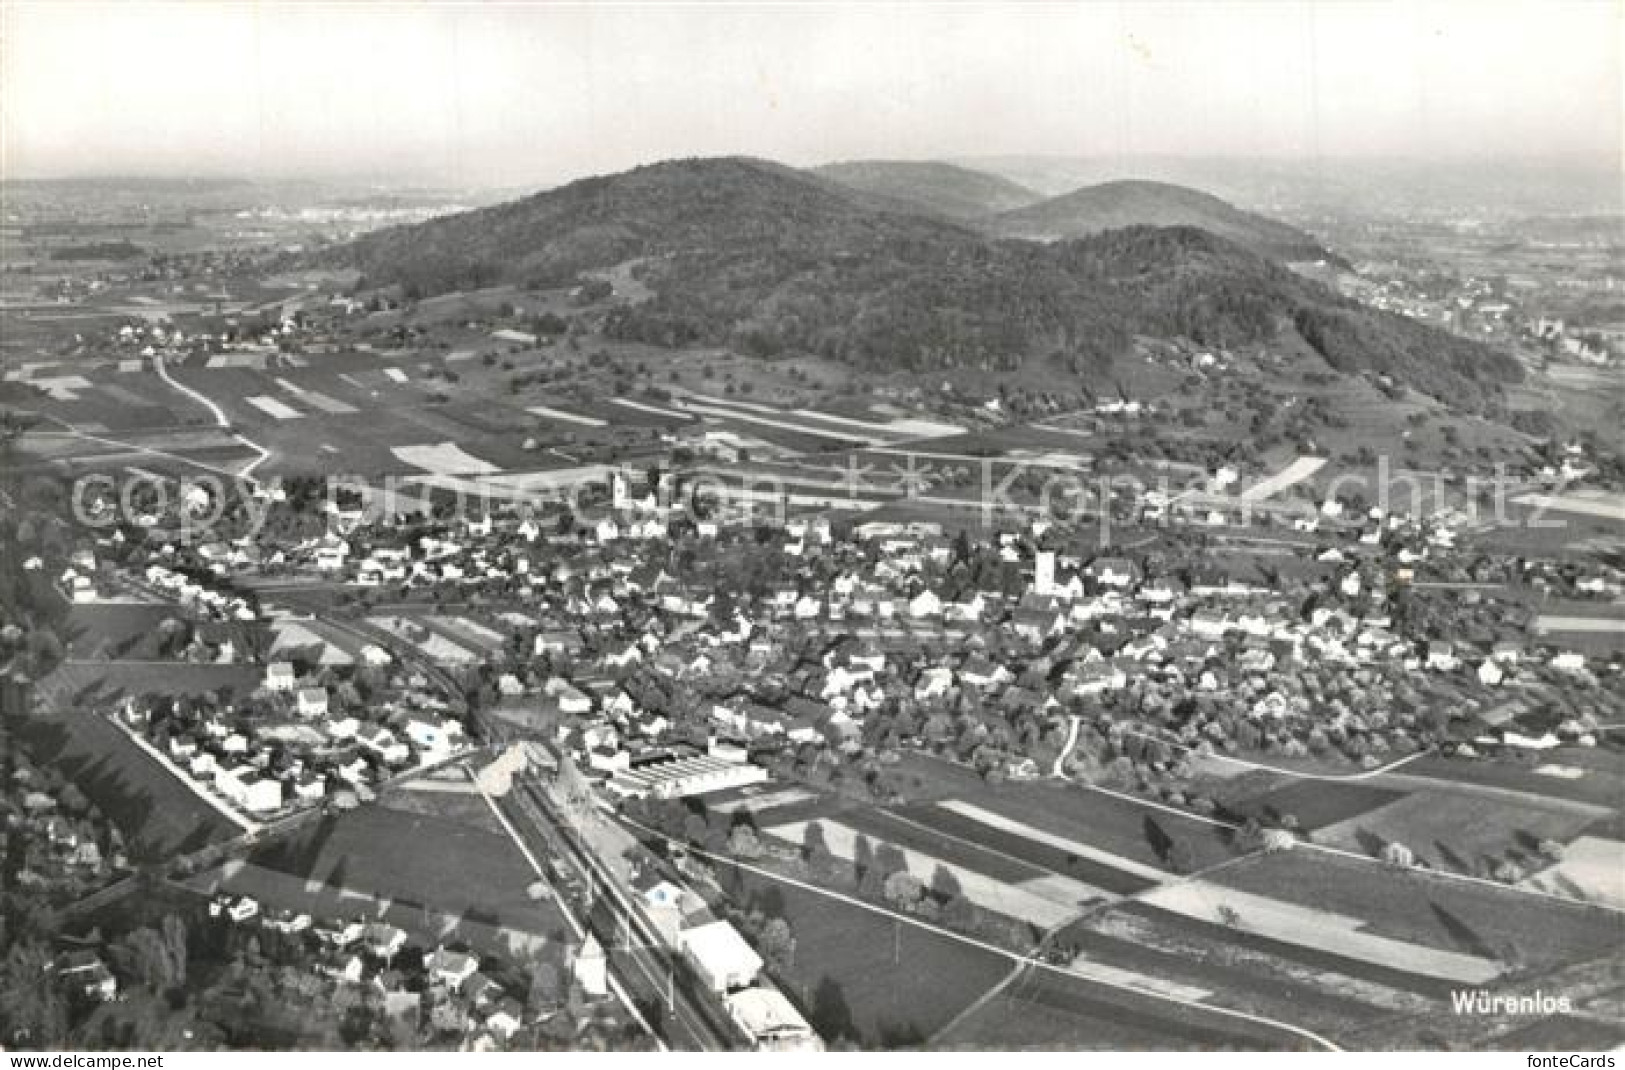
x=220, y=418
x=1071, y=742
x=1366, y=774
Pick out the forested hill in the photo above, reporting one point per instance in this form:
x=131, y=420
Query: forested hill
x=937, y=188
x=1114, y=205
x=771, y=261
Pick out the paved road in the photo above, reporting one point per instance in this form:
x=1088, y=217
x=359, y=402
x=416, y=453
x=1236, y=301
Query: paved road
x=1297, y=774
x=220, y=419
x=1073, y=721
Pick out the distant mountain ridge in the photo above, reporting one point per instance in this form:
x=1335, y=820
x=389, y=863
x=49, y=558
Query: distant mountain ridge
x=771, y=261
x=938, y=188
x=1136, y=203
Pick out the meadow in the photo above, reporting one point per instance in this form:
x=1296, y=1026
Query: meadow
x=157, y=814
x=862, y=977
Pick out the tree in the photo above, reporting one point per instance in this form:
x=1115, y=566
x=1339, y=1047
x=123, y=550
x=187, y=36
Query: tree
x=778, y=944
x=813, y=847
x=959, y=913
x=1276, y=840
x=545, y=987
x=1180, y=858
x=743, y=842
x=33, y=1014
x=155, y=959
x=903, y=890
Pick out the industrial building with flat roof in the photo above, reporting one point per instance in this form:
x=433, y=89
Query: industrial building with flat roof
x=720, y=956
x=685, y=776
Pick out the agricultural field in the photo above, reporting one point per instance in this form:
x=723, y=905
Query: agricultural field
x=1564, y=1032
x=158, y=815
x=1313, y=803
x=314, y=639
x=832, y=430
x=1458, y=832
x=1118, y=826
x=353, y=414
x=170, y=452
x=1588, y=776
x=1516, y=929
x=1044, y=903
x=112, y=629
x=432, y=643
x=102, y=399
x=901, y=831
x=1144, y=950
x=466, y=633
x=79, y=683
x=1316, y=928
x=447, y=793
x=861, y=977
x=1052, y=854
x=474, y=876
x=1591, y=870
x=1361, y=982
x=1044, y=1009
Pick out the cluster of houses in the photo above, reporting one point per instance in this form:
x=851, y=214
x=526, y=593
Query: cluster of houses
x=444, y=987
x=307, y=754
x=59, y=850
x=905, y=619
x=1029, y=626
x=190, y=592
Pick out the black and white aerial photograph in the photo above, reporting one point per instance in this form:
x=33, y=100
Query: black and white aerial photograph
x=1094, y=526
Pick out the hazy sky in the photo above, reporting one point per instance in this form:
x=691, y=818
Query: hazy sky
x=534, y=93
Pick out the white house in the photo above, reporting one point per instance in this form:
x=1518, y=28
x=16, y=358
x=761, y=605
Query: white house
x=591, y=968
x=925, y=604
x=936, y=680
x=450, y=968
x=248, y=790
x=1442, y=656
x=279, y=676
x=311, y=702
x=389, y=749
x=1568, y=661
x=570, y=698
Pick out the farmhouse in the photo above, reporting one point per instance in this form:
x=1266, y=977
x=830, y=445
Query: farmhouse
x=312, y=702
x=925, y=604
x=87, y=975
x=244, y=787
x=450, y=968
x=279, y=676
x=383, y=939
x=1112, y=571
